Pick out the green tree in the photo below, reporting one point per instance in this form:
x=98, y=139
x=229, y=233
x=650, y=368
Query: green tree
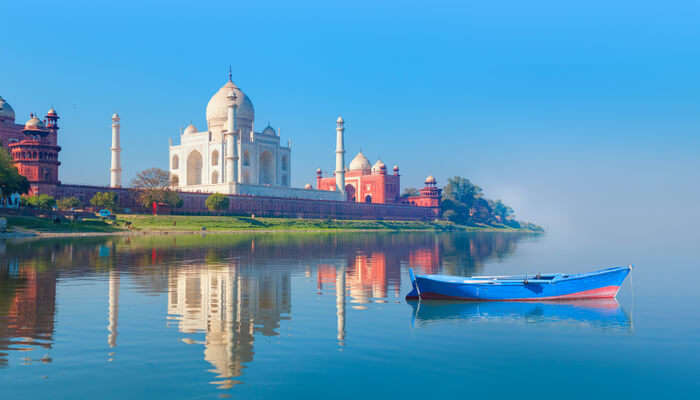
x=461, y=197
x=43, y=201
x=106, y=200
x=66, y=203
x=10, y=179
x=154, y=186
x=500, y=210
x=217, y=202
x=410, y=191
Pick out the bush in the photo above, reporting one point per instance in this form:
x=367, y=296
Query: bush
x=106, y=200
x=217, y=202
x=43, y=201
x=68, y=203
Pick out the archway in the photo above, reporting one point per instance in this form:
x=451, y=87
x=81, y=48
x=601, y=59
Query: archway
x=368, y=199
x=194, y=168
x=214, y=177
x=174, y=181
x=267, y=168
x=246, y=158
x=175, y=164
x=215, y=157
x=350, y=193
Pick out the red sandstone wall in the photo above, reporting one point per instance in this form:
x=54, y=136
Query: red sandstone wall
x=10, y=131
x=265, y=206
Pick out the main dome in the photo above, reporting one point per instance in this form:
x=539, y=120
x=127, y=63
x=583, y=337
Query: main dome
x=217, y=108
x=6, y=111
x=360, y=163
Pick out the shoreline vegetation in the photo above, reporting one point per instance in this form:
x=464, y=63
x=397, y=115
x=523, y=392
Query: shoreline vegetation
x=133, y=224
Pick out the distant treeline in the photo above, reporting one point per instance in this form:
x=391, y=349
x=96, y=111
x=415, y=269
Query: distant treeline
x=464, y=203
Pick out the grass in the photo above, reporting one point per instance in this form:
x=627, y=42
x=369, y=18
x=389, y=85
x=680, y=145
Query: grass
x=46, y=225
x=181, y=223
x=232, y=223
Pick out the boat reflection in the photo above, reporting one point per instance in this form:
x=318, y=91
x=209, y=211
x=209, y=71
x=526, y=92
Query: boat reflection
x=603, y=313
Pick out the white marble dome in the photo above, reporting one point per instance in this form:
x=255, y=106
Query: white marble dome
x=190, y=129
x=269, y=131
x=6, y=111
x=217, y=108
x=360, y=163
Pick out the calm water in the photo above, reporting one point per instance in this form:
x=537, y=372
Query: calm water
x=323, y=316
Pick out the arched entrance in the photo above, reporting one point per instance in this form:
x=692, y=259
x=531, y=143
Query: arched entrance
x=194, y=168
x=215, y=177
x=350, y=193
x=267, y=168
x=368, y=199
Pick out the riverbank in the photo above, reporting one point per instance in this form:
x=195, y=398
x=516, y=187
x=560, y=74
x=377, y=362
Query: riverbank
x=130, y=224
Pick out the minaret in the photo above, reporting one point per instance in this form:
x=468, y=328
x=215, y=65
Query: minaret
x=339, y=157
x=231, y=145
x=115, y=176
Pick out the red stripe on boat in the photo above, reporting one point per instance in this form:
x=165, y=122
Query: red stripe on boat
x=600, y=293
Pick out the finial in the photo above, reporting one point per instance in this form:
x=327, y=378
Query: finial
x=230, y=75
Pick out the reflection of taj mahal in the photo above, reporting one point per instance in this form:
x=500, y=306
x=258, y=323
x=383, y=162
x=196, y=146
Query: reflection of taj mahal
x=230, y=306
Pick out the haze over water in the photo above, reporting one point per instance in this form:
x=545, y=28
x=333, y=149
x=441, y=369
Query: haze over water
x=262, y=316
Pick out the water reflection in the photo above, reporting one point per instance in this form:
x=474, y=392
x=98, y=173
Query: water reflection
x=230, y=288
x=27, y=307
x=602, y=313
x=230, y=304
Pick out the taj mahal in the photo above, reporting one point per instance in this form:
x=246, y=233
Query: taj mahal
x=230, y=157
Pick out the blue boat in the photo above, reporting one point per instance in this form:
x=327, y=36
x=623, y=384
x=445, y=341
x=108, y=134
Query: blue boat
x=593, y=285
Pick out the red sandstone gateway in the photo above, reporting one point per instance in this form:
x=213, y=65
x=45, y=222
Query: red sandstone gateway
x=604, y=283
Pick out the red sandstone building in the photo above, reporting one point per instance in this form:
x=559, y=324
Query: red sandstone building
x=372, y=184
x=365, y=183
x=33, y=147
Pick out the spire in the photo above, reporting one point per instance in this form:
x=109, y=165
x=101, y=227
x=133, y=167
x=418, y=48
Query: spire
x=230, y=75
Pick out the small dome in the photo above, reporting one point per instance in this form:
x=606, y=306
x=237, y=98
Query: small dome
x=52, y=112
x=190, y=129
x=217, y=108
x=115, y=117
x=430, y=180
x=318, y=171
x=396, y=168
x=360, y=163
x=34, y=124
x=339, y=120
x=378, y=166
x=6, y=111
x=307, y=186
x=269, y=130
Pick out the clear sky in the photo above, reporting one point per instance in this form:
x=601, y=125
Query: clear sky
x=575, y=113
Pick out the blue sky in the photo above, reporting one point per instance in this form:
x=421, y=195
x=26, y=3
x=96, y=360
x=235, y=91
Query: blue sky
x=573, y=113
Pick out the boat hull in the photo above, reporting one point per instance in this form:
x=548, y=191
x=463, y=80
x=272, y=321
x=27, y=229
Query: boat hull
x=595, y=285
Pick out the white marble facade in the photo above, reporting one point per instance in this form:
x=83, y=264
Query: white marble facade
x=262, y=164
